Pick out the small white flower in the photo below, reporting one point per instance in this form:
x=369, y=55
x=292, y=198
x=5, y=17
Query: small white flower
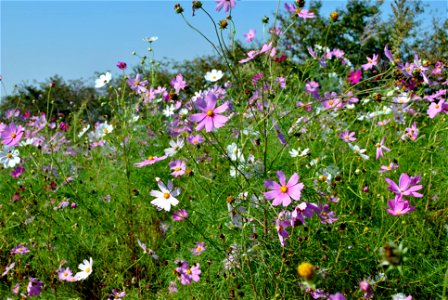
x=358, y=151
x=175, y=146
x=84, y=130
x=169, y=110
x=103, y=80
x=150, y=39
x=299, y=152
x=234, y=153
x=103, y=129
x=9, y=157
x=214, y=75
x=86, y=269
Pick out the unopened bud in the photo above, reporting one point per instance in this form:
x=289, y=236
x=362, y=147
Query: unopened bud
x=334, y=16
x=178, y=9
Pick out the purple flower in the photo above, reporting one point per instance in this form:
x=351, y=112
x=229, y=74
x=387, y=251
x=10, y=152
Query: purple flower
x=178, y=167
x=407, y=186
x=172, y=288
x=347, y=136
x=390, y=167
x=326, y=216
x=150, y=160
x=137, y=84
x=412, y=132
x=283, y=192
x=186, y=274
x=12, y=134
x=20, y=249
x=399, y=207
x=117, y=294
x=302, y=211
x=34, y=287
x=178, y=83
x=283, y=221
x=195, y=139
x=337, y=296
x=209, y=117
x=65, y=274
x=180, y=215
x=17, y=172
x=436, y=107
x=226, y=4
x=198, y=249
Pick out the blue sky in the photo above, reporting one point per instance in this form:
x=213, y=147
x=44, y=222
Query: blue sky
x=75, y=39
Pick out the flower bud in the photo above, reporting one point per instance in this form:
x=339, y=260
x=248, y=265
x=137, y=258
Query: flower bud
x=265, y=20
x=223, y=24
x=334, y=16
x=178, y=9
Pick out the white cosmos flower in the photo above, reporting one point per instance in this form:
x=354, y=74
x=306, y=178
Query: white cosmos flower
x=103, y=80
x=299, y=152
x=9, y=157
x=165, y=197
x=214, y=75
x=358, y=151
x=86, y=269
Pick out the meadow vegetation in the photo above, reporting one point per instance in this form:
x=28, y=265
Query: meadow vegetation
x=310, y=165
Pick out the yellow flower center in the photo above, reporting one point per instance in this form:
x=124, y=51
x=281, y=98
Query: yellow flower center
x=9, y=155
x=198, y=248
x=189, y=271
x=13, y=135
x=330, y=102
x=210, y=113
x=166, y=195
x=150, y=157
x=65, y=274
x=87, y=270
x=177, y=169
x=284, y=189
x=105, y=130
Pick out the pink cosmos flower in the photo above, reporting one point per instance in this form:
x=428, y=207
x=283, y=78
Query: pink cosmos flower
x=399, y=207
x=12, y=134
x=380, y=147
x=17, y=172
x=407, y=186
x=355, y=77
x=186, y=274
x=390, y=167
x=435, y=108
x=305, y=14
x=65, y=274
x=178, y=167
x=198, y=249
x=150, y=160
x=250, y=35
x=371, y=62
x=412, y=132
x=137, y=84
x=209, y=117
x=226, y=4
x=283, y=192
x=347, y=136
x=180, y=215
x=178, y=83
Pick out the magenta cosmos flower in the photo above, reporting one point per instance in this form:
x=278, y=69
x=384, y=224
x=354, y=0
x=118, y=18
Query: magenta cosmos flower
x=283, y=192
x=407, y=186
x=12, y=134
x=150, y=160
x=209, y=117
x=399, y=207
x=355, y=77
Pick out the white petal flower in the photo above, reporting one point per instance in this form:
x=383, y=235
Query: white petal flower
x=214, y=75
x=165, y=197
x=9, y=157
x=86, y=269
x=103, y=80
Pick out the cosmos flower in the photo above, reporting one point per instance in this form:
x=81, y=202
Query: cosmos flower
x=214, y=75
x=86, y=269
x=209, y=117
x=103, y=80
x=407, y=186
x=283, y=192
x=150, y=160
x=399, y=207
x=198, y=249
x=226, y=4
x=12, y=134
x=180, y=215
x=355, y=77
x=165, y=198
x=371, y=62
x=34, y=287
x=178, y=167
x=250, y=35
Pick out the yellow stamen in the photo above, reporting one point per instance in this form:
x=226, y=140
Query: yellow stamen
x=166, y=195
x=210, y=113
x=284, y=189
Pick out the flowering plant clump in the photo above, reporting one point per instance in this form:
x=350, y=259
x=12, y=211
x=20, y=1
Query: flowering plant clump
x=225, y=138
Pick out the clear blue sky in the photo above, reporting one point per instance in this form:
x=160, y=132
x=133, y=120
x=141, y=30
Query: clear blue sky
x=75, y=39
